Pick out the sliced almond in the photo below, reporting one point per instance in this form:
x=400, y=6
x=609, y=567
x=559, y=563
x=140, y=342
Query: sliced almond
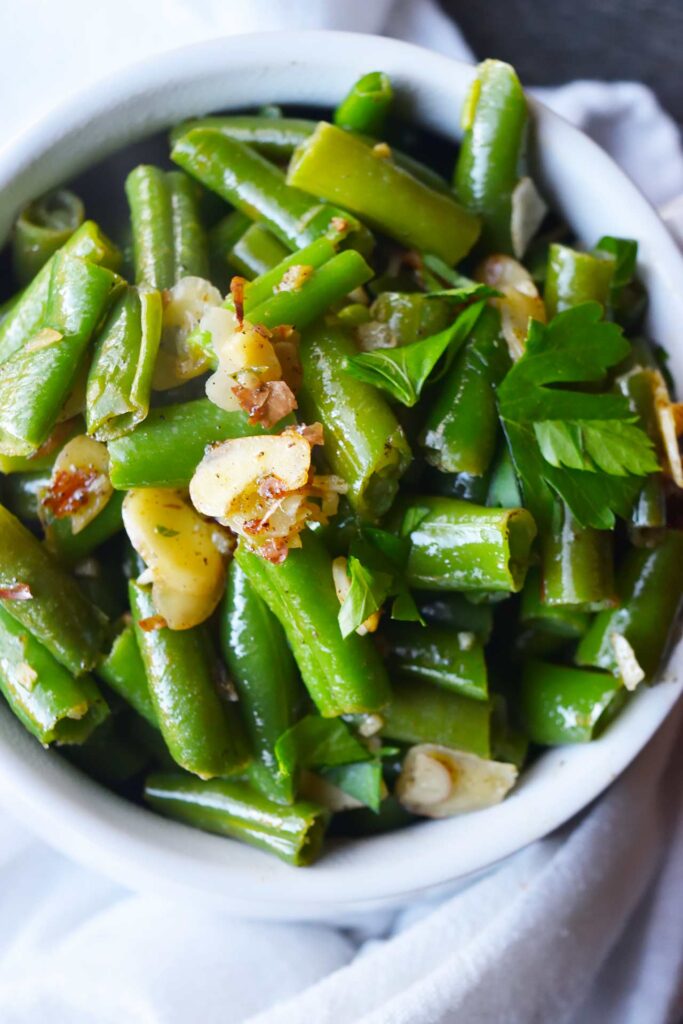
x=438, y=782
x=519, y=302
x=79, y=486
x=668, y=418
x=180, y=358
x=629, y=667
x=528, y=210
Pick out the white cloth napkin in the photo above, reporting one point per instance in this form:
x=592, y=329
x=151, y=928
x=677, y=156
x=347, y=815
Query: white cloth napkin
x=584, y=927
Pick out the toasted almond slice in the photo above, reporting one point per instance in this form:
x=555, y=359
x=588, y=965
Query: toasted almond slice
x=79, y=486
x=179, y=359
x=629, y=667
x=182, y=610
x=528, y=210
x=519, y=302
x=438, y=782
x=667, y=413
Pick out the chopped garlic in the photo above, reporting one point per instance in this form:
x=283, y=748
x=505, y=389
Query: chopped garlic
x=629, y=667
x=183, y=562
x=342, y=585
x=519, y=302
x=369, y=725
x=246, y=359
x=528, y=211
x=668, y=419
x=181, y=357
x=79, y=485
x=295, y=277
x=438, y=782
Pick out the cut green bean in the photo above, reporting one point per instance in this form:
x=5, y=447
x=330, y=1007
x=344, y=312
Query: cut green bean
x=41, y=228
x=578, y=565
x=22, y=492
x=46, y=698
x=456, y=614
x=492, y=154
x=640, y=386
x=27, y=315
x=36, y=381
x=111, y=754
x=71, y=548
x=462, y=426
x=650, y=587
x=560, y=704
x=256, y=252
x=264, y=673
x=256, y=187
x=452, y=660
x=221, y=239
x=342, y=169
x=168, y=239
x=200, y=734
x=124, y=671
x=364, y=443
x=573, y=277
x=422, y=713
x=165, y=450
x=366, y=107
x=120, y=378
x=234, y=809
x=57, y=613
x=408, y=316
x=343, y=676
x=561, y=620
x=455, y=545
x=264, y=287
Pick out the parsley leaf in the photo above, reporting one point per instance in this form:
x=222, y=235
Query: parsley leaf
x=362, y=780
x=402, y=372
x=317, y=742
x=368, y=592
x=585, y=447
x=625, y=253
x=435, y=274
x=376, y=568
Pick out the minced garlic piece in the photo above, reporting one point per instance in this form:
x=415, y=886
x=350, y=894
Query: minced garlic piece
x=519, y=302
x=181, y=357
x=295, y=277
x=528, y=211
x=629, y=667
x=79, y=486
x=438, y=782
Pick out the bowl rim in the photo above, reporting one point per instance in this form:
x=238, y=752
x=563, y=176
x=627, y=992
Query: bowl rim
x=127, y=842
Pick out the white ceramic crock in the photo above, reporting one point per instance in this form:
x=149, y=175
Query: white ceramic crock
x=134, y=846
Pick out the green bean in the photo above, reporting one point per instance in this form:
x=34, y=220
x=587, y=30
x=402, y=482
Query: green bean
x=256, y=252
x=364, y=442
x=71, y=548
x=452, y=660
x=300, y=306
x=124, y=671
x=41, y=228
x=410, y=316
x=422, y=713
x=256, y=187
x=264, y=287
x=27, y=315
x=295, y=833
x=221, y=239
x=560, y=704
x=21, y=494
x=277, y=138
x=366, y=107
x=457, y=613
x=455, y=545
x=200, y=734
x=264, y=673
x=341, y=168
x=168, y=239
x=45, y=697
x=462, y=428
x=578, y=564
x=493, y=150
x=165, y=450
x=111, y=754
x=57, y=613
x=560, y=620
x=573, y=277
x=120, y=378
x=343, y=676
x=639, y=388
x=36, y=381
x=650, y=586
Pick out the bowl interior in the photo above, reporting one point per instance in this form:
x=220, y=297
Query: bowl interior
x=110, y=124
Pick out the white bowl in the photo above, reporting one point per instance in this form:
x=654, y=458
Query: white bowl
x=144, y=851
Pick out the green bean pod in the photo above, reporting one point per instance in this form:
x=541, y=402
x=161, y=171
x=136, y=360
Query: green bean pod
x=456, y=614
x=559, y=704
x=22, y=493
x=264, y=673
x=410, y=316
x=462, y=428
x=112, y=754
x=364, y=443
x=41, y=228
x=573, y=277
x=256, y=187
x=578, y=565
x=57, y=613
x=120, y=378
x=639, y=387
x=165, y=450
x=220, y=240
x=650, y=586
x=565, y=621
x=27, y=314
x=422, y=713
x=124, y=671
x=199, y=733
x=71, y=548
x=256, y=252
x=168, y=239
x=36, y=381
x=339, y=167
x=492, y=154
x=295, y=833
x=366, y=106
x=452, y=660
x=460, y=546
x=46, y=698
x=343, y=676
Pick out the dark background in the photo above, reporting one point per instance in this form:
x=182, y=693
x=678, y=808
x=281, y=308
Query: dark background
x=555, y=41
